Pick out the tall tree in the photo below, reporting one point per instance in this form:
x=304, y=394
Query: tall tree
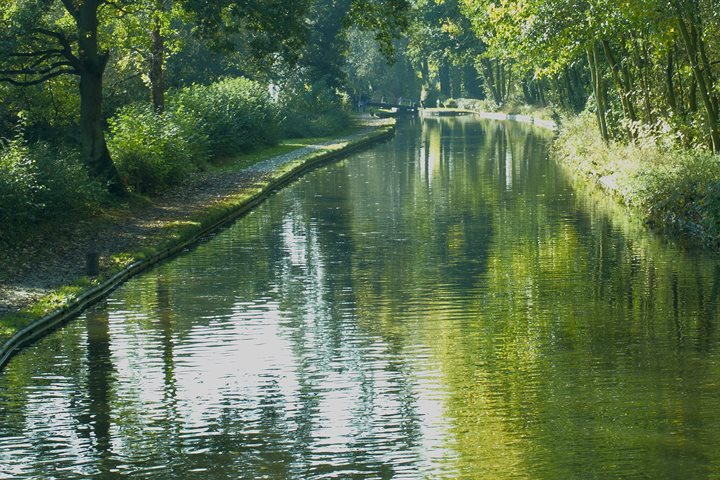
x=442, y=42
x=42, y=39
x=331, y=22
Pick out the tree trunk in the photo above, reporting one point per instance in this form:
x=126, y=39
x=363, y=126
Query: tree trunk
x=426, y=90
x=157, y=60
x=569, y=92
x=541, y=93
x=581, y=96
x=92, y=67
x=641, y=54
x=444, y=77
x=700, y=80
x=502, y=82
x=470, y=83
x=597, y=85
x=669, y=86
x=507, y=82
x=621, y=81
x=527, y=93
x=490, y=81
x=602, y=92
x=692, y=100
x=456, y=82
x=707, y=68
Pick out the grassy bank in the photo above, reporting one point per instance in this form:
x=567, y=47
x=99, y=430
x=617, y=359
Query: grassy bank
x=674, y=190
x=186, y=229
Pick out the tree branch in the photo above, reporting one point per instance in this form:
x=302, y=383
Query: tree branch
x=66, y=50
x=123, y=11
x=71, y=8
x=36, y=81
x=33, y=71
x=35, y=54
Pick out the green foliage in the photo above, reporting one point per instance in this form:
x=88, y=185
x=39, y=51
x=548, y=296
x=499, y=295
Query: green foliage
x=38, y=183
x=19, y=186
x=48, y=110
x=681, y=193
x=312, y=112
x=152, y=150
x=238, y=114
x=486, y=105
x=673, y=189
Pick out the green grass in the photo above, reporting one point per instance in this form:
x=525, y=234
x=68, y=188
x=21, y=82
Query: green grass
x=248, y=159
x=13, y=322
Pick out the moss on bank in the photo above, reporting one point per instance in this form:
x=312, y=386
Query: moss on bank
x=187, y=229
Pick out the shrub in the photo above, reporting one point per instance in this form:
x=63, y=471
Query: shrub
x=67, y=187
x=313, y=111
x=37, y=183
x=19, y=185
x=681, y=193
x=486, y=105
x=152, y=150
x=238, y=114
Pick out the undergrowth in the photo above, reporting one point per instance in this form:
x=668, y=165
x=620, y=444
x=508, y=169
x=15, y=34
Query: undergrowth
x=38, y=183
x=675, y=189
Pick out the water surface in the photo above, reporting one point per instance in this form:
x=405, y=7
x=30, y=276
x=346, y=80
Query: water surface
x=445, y=305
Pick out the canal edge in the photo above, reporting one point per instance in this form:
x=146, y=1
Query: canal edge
x=549, y=124
x=295, y=169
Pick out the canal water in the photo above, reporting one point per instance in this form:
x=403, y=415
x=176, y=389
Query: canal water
x=449, y=304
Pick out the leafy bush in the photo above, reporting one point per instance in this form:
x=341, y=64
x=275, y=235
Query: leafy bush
x=313, y=111
x=682, y=193
x=232, y=116
x=67, y=187
x=238, y=114
x=152, y=150
x=19, y=185
x=37, y=183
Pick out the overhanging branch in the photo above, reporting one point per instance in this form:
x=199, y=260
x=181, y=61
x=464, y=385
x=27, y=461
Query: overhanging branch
x=35, y=53
x=66, y=50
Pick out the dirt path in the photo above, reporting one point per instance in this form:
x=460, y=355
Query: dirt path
x=33, y=268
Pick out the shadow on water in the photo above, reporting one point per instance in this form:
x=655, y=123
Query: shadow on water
x=100, y=380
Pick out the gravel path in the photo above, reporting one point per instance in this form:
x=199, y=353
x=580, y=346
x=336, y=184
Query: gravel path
x=38, y=265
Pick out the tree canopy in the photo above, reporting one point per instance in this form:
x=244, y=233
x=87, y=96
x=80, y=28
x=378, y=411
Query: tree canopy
x=44, y=41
